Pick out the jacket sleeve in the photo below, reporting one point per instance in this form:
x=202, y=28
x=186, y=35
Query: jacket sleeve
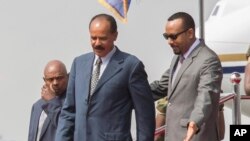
x=159, y=88
x=143, y=103
x=53, y=108
x=209, y=89
x=66, y=122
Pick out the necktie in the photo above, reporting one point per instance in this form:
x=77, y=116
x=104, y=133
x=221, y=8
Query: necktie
x=181, y=59
x=95, y=75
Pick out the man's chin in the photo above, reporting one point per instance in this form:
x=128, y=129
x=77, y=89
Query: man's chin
x=177, y=52
x=57, y=92
x=100, y=53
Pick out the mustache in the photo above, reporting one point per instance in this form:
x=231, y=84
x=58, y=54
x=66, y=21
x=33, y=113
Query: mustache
x=99, y=48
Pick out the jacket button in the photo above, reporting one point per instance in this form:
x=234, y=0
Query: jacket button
x=169, y=104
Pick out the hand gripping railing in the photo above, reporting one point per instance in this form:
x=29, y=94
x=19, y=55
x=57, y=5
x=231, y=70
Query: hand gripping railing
x=235, y=80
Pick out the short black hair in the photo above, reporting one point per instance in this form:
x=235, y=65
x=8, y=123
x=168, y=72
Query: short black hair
x=109, y=18
x=188, y=21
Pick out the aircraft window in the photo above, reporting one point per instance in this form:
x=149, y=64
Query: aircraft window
x=215, y=10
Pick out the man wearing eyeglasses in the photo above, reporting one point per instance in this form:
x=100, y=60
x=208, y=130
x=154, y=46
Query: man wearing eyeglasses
x=45, y=112
x=192, y=84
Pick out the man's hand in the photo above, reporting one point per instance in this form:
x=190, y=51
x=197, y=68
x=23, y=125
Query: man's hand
x=191, y=130
x=46, y=93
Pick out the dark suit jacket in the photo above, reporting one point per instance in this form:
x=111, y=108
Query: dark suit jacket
x=194, y=95
x=122, y=87
x=52, y=108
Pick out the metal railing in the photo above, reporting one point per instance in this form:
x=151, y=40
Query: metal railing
x=160, y=130
x=235, y=96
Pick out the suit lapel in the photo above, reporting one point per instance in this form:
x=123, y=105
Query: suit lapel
x=172, y=69
x=184, y=66
x=113, y=67
x=188, y=61
x=35, y=124
x=45, y=126
x=87, y=69
x=38, y=112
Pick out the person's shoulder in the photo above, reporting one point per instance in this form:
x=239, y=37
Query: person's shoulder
x=128, y=56
x=38, y=103
x=86, y=55
x=83, y=57
x=209, y=52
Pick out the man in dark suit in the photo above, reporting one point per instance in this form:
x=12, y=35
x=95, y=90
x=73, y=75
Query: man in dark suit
x=104, y=112
x=192, y=84
x=45, y=112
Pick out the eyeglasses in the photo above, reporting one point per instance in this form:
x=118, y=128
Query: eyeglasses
x=173, y=36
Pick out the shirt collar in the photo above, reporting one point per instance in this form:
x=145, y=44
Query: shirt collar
x=106, y=58
x=193, y=46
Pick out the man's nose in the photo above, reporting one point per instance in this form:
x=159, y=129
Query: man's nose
x=170, y=41
x=98, y=42
x=55, y=81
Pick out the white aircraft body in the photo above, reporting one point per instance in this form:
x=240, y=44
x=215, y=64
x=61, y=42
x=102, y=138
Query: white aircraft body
x=227, y=32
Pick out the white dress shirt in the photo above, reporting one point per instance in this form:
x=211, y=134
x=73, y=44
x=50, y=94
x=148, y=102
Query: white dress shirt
x=43, y=117
x=105, y=61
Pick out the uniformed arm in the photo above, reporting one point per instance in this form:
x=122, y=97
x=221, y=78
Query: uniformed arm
x=159, y=88
x=143, y=103
x=159, y=122
x=160, y=118
x=207, y=101
x=247, y=78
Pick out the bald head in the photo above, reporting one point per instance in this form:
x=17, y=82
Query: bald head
x=55, y=76
x=55, y=65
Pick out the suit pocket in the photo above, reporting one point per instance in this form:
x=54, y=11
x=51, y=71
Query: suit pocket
x=184, y=122
x=116, y=137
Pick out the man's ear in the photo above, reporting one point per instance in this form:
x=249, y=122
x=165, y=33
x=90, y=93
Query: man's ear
x=115, y=35
x=191, y=32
